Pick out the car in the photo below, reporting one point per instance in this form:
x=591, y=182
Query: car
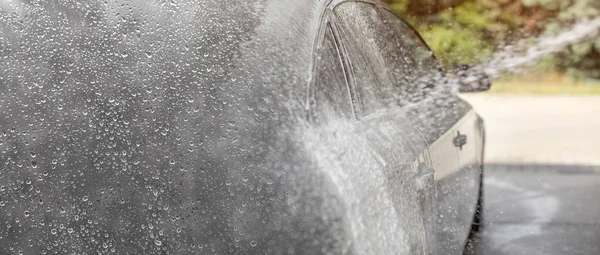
x=232, y=127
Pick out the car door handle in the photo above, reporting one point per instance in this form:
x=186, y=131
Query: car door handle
x=460, y=140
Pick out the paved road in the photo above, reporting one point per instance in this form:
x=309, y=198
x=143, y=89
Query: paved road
x=540, y=129
x=540, y=209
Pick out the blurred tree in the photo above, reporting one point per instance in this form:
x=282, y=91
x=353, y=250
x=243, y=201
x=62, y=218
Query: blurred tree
x=468, y=31
x=580, y=59
x=458, y=30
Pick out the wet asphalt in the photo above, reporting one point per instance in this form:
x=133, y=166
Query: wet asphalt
x=540, y=209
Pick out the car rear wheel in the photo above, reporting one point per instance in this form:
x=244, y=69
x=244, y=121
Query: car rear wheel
x=477, y=225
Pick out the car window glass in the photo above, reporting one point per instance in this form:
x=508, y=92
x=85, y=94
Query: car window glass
x=331, y=96
x=412, y=48
x=361, y=27
x=387, y=57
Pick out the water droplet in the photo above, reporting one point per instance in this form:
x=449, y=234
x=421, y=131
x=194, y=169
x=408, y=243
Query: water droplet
x=53, y=231
x=34, y=164
x=253, y=243
x=157, y=242
x=85, y=198
x=26, y=213
x=70, y=230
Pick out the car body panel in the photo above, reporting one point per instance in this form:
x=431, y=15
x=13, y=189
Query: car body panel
x=458, y=191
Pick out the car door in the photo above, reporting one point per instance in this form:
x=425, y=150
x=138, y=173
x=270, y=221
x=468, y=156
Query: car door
x=387, y=61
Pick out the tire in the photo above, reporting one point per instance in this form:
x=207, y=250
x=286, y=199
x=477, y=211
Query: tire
x=477, y=225
x=472, y=245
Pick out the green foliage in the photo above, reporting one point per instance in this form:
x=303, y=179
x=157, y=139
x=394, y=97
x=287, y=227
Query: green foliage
x=455, y=35
x=583, y=58
x=401, y=6
x=469, y=32
x=457, y=46
x=471, y=15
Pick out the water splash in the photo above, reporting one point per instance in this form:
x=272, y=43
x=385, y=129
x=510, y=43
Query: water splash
x=525, y=53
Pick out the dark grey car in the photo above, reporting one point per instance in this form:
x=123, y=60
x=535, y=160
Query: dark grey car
x=218, y=127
